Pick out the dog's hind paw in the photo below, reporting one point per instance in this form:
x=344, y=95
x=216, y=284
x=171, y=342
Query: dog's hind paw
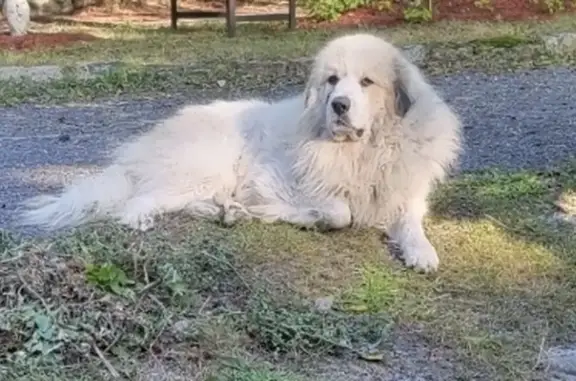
x=139, y=222
x=231, y=211
x=234, y=213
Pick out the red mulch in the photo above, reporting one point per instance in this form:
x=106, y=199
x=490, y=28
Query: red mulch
x=503, y=10
x=38, y=41
x=509, y=10
x=357, y=18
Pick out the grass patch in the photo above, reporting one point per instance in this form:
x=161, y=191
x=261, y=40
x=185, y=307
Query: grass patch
x=505, y=41
x=244, y=371
x=239, y=303
x=160, y=61
x=240, y=79
x=207, y=42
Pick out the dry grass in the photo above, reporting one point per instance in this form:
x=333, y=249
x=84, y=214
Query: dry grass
x=201, y=43
x=237, y=303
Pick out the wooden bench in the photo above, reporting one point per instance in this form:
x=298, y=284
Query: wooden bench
x=231, y=17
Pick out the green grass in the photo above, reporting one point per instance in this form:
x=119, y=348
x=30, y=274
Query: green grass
x=253, y=372
x=230, y=78
x=207, y=43
x=212, y=303
x=263, y=56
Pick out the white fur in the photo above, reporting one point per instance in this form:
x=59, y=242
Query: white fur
x=289, y=160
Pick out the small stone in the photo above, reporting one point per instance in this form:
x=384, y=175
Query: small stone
x=221, y=83
x=64, y=138
x=17, y=13
x=324, y=304
x=562, y=43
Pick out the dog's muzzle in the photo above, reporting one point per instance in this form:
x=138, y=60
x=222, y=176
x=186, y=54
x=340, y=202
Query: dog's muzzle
x=342, y=130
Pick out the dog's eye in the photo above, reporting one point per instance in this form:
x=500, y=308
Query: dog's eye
x=333, y=79
x=365, y=82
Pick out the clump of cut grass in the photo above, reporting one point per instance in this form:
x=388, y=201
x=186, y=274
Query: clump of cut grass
x=106, y=294
x=297, y=329
x=250, y=371
x=100, y=297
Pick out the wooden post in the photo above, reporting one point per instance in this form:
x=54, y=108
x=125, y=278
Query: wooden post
x=292, y=14
x=174, y=14
x=231, y=17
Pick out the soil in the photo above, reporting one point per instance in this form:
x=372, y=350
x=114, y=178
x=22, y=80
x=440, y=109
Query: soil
x=37, y=41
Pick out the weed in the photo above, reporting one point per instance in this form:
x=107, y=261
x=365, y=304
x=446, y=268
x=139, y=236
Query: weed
x=110, y=278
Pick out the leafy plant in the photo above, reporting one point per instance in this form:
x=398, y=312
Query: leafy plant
x=417, y=15
x=330, y=10
x=383, y=5
x=551, y=6
x=111, y=278
x=416, y=12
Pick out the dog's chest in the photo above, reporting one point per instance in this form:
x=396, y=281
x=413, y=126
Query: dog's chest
x=370, y=183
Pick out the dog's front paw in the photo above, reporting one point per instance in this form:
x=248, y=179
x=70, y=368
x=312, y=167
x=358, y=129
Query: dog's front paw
x=421, y=256
x=314, y=219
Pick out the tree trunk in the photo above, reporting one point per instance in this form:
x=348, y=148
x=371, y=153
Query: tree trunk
x=17, y=13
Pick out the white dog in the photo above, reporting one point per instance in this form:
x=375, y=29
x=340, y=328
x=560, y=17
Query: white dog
x=364, y=145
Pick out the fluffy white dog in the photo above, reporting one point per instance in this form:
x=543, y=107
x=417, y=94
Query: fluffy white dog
x=364, y=145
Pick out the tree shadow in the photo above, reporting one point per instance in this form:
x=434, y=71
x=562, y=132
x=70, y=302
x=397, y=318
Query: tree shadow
x=524, y=204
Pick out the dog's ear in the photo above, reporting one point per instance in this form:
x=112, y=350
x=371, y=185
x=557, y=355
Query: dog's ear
x=311, y=90
x=310, y=95
x=402, y=101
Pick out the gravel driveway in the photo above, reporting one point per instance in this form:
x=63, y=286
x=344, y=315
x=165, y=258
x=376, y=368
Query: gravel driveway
x=520, y=120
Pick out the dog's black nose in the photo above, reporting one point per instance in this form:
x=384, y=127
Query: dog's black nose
x=360, y=133
x=341, y=105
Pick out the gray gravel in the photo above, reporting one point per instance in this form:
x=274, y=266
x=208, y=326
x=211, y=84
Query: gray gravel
x=520, y=120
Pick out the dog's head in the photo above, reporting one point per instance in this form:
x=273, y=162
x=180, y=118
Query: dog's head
x=353, y=82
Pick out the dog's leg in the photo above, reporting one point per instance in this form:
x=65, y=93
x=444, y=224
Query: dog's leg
x=408, y=232
x=141, y=211
x=326, y=215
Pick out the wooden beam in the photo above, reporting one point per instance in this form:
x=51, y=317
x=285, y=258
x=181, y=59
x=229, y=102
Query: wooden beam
x=231, y=17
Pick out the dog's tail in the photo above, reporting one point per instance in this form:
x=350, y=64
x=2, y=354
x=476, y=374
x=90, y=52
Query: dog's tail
x=86, y=200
